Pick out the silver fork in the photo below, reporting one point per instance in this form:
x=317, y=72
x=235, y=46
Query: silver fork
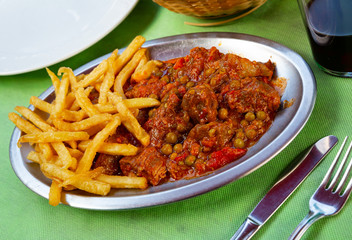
x=327, y=200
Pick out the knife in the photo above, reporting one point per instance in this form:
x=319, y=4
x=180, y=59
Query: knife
x=278, y=194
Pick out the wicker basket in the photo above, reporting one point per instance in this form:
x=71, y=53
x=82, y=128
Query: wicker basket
x=210, y=8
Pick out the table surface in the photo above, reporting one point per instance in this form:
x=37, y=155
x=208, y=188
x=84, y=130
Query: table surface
x=214, y=215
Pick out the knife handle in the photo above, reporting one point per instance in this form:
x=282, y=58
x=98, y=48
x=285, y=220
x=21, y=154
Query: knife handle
x=246, y=230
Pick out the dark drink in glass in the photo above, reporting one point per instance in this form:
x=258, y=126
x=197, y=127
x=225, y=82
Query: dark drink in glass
x=329, y=27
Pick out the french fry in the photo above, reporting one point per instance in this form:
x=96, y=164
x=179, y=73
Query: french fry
x=75, y=105
x=127, y=71
x=126, y=55
x=86, y=162
x=82, y=125
x=55, y=193
x=85, y=103
x=144, y=71
x=60, y=100
x=123, y=181
x=54, y=79
x=67, y=115
x=59, y=136
x=112, y=148
x=108, y=80
x=53, y=171
x=22, y=124
x=132, y=103
x=94, y=75
x=70, y=75
x=128, y=120
x=34, y=118
x=34, y=156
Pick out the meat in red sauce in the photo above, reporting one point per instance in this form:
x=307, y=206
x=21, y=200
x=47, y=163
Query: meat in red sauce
x=214, y=106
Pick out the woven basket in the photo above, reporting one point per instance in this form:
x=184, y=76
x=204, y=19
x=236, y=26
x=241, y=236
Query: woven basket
x=209, y=8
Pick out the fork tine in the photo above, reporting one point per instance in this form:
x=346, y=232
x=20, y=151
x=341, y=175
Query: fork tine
x=344, y=177
x=333, y=164
x=341, y=166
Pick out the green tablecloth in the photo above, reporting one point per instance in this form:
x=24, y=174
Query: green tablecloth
x=214, y=215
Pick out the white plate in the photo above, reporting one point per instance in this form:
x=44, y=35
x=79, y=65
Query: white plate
x=301, y=87
x=39, y=33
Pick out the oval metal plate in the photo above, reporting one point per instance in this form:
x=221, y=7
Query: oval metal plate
x=301, y=86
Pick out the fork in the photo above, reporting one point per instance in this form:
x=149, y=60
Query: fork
x=327, y=200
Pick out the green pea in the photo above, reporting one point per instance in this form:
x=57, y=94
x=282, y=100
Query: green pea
x=165, y=79
x=249, y=116
x=151, y=113
x=261, y=115
x=178, y=148
x=244, y=123
x=173, y=156
x=251, y=133
x=190, y=84
x=209, y=71
x=190, y=159
x=212, y=132
x=181, y=127
x=153, y=96
x=171, y=137
x=184, y=79
x=166, y=149
x=213, y=81
x=223, y=113
x=240, y=134
x=238, y=143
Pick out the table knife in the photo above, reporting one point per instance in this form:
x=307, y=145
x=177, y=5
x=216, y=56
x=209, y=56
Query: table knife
x=283, y=188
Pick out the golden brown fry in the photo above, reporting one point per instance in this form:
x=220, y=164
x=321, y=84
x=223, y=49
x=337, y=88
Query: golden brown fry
x=85, y=103
x=60, y=100
x=127, y=71
x=55, y=193
x=86, y=162
x=145, y=71
x=53, y=171
x=40, y=104
x=75, y=106
x=22, y=124
x=82, y=125
x=75, y=153
x=128, y=119
x=54, y=79
x=94, y=75
x=108, y=80
x=34, y=118
x=126, y=55
x=70, y=75
x=112, y=148
x=124, y=181
x=59, y=136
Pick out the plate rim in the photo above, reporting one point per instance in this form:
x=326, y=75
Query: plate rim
x=196, y=188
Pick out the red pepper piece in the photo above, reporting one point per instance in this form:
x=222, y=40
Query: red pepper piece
x=224, y=156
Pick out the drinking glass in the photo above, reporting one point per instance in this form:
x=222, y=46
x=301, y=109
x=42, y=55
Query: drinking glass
x=329, y=27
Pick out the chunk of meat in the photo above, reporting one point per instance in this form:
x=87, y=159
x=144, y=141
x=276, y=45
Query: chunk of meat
x=150, y=164
x=201, y=104
x=255, y=96
x=108, y=162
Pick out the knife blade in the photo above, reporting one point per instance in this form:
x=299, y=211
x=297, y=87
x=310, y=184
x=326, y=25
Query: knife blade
x=283, y=188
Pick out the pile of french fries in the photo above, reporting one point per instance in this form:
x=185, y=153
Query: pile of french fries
x=66, y=143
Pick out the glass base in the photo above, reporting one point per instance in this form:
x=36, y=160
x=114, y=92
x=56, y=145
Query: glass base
x=336, y=73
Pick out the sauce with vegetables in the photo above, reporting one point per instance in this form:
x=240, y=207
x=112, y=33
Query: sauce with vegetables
x=214, y=106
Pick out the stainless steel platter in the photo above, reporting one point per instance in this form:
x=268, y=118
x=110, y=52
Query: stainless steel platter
x=301, y=87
